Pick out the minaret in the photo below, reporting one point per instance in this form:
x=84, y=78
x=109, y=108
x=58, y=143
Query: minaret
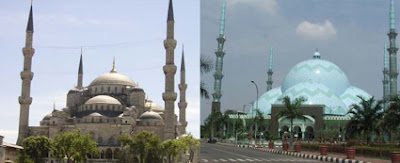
x=392, y=53
x=385, y=79
x=26, y=75
x=270, y=72
x=169, y=96
x=80, y=73
x=216, y=104
x=182, y=100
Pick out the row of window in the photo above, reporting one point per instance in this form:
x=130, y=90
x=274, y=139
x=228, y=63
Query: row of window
x=107, y=90
x=101, y=107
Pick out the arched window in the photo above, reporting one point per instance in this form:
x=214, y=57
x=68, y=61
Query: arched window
x=95, y=90
x=108, y=153
x=102, y=89
x=108, y=89
x=115, y=89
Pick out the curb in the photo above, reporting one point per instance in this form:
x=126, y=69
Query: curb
x=303, y=155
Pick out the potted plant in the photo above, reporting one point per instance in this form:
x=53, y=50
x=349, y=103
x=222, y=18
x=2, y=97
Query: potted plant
x=350, y=152
x=271, y=143
x=297, y=147
x=323, y=149
x=285, y=145
x=395, y=156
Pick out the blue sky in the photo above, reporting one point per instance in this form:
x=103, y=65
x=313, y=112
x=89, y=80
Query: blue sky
x=350, y=34
x=131, y=31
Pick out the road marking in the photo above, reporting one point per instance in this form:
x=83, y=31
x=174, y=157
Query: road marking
x=215, y=160
x=250, y=160
x=240, y=159
x=233, y=160
x=223, y=160
x=257, y=159
x=230, y=153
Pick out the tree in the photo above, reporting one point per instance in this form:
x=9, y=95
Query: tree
x=365, y=118
x=172, y=148
x=206, y=66
x=192, y=145
x=213, y=122
x=391, y=121
x=258, y=121
x=36, y=149
x=146, y=146
x=291, y=112
x=74, y=146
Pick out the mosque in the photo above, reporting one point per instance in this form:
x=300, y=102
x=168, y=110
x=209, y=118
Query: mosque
x=326, y=87
x=111, y=105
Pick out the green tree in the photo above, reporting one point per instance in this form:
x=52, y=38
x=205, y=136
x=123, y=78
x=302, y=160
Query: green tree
x=213, y=122
x=391, y=120
x=206, y=66
x=74, y=146
x=145, y=145
x=172, y=148
x=36, y=149
x=291, y=112
x=365, y=118
x=258, y=121
x=192, y=144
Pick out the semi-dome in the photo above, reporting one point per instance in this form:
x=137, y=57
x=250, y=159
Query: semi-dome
x=349, y=97
x=150, y=115
x=103, y=99
x=113, y=78
x=321, y=71
x=266, y=100
x=316, y=93
x=153, y=106
x=95, y=114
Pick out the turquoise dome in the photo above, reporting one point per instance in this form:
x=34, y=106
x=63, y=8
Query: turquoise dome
x=318, y=70
x=320, y=81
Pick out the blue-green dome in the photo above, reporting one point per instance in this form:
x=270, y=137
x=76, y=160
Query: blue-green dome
x=266, y=100
x=349, y=97
x=318, y=70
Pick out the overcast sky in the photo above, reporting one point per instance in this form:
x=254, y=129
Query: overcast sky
x=133, y=32
x=350, y=34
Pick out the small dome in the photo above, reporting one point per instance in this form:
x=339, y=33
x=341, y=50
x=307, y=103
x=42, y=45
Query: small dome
x=153, y=106
x=113, y=78
x=47, y=117
x=103, y=99
x=150, y=115
x=95, y=114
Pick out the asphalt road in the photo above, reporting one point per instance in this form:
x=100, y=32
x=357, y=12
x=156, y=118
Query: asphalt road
x=221, y=153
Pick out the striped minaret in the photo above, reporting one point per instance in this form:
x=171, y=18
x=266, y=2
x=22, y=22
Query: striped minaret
x=392, y=53
x=270, y=72
x=216, y=105
x=169, y=96
x=25, y=99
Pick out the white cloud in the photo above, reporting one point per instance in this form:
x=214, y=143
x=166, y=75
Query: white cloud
x=270, y=6
x=317, y=31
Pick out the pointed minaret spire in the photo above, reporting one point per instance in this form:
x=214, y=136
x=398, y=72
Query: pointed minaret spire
x=182, y=101
x=392, y=72
x=216, y=105
x=113, y=70
x=270, y=72
x=80, y=73
x=169, y=95
x=392, y=15
x=30, y=21
x=385, y=81
x=26, y=75
x=170, y=12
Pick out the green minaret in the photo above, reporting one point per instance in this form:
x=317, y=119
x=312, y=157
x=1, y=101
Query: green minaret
x=270, y=72
x=219, y=63
x=392, y=53
x=385, y=78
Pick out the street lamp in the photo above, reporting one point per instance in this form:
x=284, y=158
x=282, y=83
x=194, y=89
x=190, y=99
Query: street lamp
x=255, y=133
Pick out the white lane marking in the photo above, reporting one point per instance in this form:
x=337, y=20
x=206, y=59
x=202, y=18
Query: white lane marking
x=215, y=160
x=230, y=153
x=257, y=159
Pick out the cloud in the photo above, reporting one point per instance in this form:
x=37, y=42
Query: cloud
x=270, y=6
x=317, y=31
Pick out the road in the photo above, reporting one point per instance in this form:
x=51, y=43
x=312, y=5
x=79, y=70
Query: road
x=221, y=153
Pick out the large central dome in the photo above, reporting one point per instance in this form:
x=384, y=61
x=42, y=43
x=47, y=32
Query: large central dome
x=113, y=78
x=320, y=71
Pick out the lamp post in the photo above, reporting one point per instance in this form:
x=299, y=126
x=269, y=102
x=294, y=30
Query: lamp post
x=255, y=133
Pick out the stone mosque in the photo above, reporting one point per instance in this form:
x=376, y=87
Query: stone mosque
x=111, y=105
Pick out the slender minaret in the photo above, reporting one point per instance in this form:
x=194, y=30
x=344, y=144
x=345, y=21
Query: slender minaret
x=26, y=75
x=385, y=79
x=270, y=72
x=392, y=53
x=80, y=73
x=216, y=104
x=169, y=96
x=182, y=100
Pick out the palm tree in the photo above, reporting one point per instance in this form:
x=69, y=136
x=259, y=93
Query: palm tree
x=213, y=122
x=291, y=112
x=205, y=67
x=365, y=118
x=391, y=121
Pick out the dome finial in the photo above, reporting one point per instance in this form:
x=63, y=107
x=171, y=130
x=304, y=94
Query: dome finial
x=113, y=67
x=316, y=54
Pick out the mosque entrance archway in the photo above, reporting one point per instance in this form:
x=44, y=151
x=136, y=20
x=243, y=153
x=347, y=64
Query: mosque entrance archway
x=309, y=134
x=284, y=130
x=299, y=127
x=298, y=134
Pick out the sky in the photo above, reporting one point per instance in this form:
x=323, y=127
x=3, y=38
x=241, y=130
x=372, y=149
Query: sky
x=131, y=31
x=350, y=34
